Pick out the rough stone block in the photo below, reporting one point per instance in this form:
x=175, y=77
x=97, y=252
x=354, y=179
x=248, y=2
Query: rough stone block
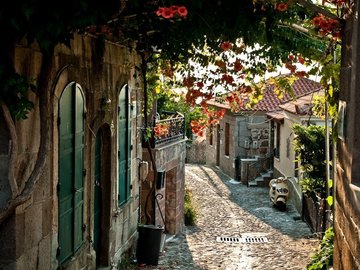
x=33, y=225
x=45, y=253
x=47, y=213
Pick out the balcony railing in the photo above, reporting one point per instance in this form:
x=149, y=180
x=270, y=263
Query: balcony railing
x=168, y=127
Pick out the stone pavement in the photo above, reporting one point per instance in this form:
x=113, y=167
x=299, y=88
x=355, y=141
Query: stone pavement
x=227, y=209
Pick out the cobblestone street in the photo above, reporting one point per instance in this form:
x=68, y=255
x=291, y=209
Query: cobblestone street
x=227, y=208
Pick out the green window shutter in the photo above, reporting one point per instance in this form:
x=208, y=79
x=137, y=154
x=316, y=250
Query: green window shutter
x=124, y=145
x=71, y=145
x=66, y=171
x=79, y=169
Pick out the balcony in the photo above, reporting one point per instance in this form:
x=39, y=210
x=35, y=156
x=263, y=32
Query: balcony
x=168, y=127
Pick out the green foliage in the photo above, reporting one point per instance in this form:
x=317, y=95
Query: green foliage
x=323, y=258
x=208, y=23
x=309, y=145
x=312, y=186
x=48, y=24
x=190, y=213
x=14, y=92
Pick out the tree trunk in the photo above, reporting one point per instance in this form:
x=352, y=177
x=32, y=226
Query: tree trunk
x=13, y=147
x=43, y=93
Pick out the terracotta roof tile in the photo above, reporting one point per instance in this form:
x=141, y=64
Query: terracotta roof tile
x=270, y=101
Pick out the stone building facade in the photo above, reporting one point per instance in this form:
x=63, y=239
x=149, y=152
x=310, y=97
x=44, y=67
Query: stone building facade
x=241, y=137
x=347, y=178
x=237, y=136
x=84, y=209
x=293, y=112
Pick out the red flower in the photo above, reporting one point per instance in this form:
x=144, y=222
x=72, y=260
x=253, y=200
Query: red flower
x=174, y=9
x=237, y=65
x=336, y=35
x=291, y=57
x=160, y=11
x=227, y=78
x=200, y=84
x=324, y=25
x=333, y=23
x=317, y=20
x=301, y=74
x=188, y=82
x=182, y=11
x=167, y=13
x=226, y=46
x=301, y=60
x=281, y=7
x=290, y=67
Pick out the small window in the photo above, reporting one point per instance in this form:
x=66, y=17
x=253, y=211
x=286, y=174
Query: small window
x=277, y=141
x=227, y=139
x=288, y=147
x=211, y=137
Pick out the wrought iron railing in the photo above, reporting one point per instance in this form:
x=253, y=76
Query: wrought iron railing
x=168, y=127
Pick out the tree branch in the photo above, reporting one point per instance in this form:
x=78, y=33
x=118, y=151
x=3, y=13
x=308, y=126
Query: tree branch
x=13, y=147
x=44, y=106
x=45, y=129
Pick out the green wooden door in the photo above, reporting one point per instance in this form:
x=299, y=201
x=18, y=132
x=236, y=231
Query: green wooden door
x=97, y=199
x=124, y=145
x=71, y=160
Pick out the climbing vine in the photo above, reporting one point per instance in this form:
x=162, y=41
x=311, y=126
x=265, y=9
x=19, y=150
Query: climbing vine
x=309, y=146
x=323, y=258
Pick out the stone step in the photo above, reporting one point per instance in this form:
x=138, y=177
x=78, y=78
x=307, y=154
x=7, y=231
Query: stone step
x=267, y=174
x=252, y=183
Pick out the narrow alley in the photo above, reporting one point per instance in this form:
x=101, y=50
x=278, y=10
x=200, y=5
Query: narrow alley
x=233, y=212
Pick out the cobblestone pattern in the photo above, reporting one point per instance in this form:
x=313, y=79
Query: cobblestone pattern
x=228, y=209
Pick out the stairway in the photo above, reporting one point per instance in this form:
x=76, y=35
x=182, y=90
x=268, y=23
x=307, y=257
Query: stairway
x=262, y=180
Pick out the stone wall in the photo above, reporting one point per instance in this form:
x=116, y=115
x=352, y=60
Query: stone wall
x=195, y=152
x=29, y=238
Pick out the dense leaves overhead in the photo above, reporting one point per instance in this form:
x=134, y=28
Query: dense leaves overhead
x=215, y=21
x=273, y=25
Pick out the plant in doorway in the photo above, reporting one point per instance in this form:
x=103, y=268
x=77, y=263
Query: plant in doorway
x=190, y=212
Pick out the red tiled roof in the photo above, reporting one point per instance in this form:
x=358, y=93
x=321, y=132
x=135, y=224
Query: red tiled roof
x=300, y=106
x=270, y=102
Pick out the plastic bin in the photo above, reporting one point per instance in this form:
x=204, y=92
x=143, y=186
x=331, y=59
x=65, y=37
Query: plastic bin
x=148, y=245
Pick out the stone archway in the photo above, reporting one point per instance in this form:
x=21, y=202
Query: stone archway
x=101, y=189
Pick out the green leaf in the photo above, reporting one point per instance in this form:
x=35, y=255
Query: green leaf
x=330, y=200
x=330, y=183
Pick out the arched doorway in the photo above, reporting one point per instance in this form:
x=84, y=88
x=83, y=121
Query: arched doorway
x=71, y=165
x=102, y=191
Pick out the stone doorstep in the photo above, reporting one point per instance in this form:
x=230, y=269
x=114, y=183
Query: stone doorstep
x=252, y=183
